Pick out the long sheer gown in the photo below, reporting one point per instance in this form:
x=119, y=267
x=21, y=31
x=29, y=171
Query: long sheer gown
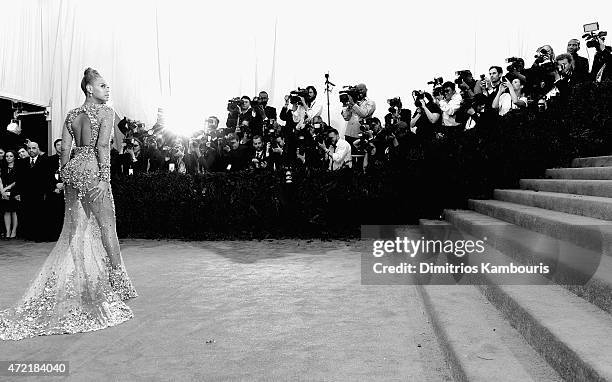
x=83, y=283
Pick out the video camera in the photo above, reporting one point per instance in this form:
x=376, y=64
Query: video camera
x=233, y=104
x=296, y=94
x=352, y=91
x=437, y=81
x=591, y=36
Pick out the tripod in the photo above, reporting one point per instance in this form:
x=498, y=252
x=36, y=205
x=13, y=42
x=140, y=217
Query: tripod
x=328, y=89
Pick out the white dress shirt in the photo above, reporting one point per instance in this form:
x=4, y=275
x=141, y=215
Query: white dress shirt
x=361, y=110
x=449, y=108
x=314, y=110
x=340, y=155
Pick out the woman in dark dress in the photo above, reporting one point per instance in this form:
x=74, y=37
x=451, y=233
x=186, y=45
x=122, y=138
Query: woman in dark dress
x=8, y=203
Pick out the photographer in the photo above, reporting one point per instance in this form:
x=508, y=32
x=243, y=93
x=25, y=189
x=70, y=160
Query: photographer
x=581, y=64
x=426, y=121
x=449, y=104
x=236, y=157
x=466, y=82
x=355, y=111
x=264, y=115
x=208, y=161
x=602, y=62
x=247, y=119
x=396, y=112
x=277, y=154
x=154, y=155
x=133, y=160
x=294, y=115
x=313, y=108
x=565, y=76
x=308, y=152
x=382, y=144
x=475, y=111
x=192, y=156
x=510, y=96
x=541, y=75
x=491, y=87
x=213, y=134
x=338, y=152
x=176, y=162
x=259, y=159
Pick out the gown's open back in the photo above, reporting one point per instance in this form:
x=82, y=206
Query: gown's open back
x=77, y=289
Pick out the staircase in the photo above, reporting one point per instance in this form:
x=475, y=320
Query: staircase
x=558, y=330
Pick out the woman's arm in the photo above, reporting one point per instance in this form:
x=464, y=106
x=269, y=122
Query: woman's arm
x=106, y=116
x=66, y=145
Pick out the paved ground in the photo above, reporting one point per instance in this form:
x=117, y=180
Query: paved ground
x=276, y=310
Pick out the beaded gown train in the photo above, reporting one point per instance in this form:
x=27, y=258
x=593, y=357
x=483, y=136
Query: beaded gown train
x=79, y=288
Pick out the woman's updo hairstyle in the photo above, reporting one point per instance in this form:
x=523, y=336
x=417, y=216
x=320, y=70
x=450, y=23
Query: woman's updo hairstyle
x=89, y=77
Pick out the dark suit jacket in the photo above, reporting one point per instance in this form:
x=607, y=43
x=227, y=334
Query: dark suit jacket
x=33, y=182
x=601, y=58
x=54, y=167
x=581, y=68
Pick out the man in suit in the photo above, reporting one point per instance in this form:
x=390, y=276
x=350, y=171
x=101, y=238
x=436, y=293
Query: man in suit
x=265, y=115
x=602, y=61
x=32, y=184
x=55, y=194
x=581, y=64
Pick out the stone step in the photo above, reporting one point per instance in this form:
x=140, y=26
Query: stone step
x=592, y=206
x=570, y=333
x=476, y=339
x=592, y=161
x=585, y=273
x=586, y=232
x=570, y=186
x=594, y=173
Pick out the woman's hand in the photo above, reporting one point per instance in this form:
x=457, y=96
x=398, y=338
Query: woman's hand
x=99, y=190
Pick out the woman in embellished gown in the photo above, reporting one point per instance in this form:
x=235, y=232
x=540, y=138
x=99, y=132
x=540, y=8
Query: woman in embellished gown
x=83, y=283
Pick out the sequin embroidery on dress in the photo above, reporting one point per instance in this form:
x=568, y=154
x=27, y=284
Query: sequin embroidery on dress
x=77, y=289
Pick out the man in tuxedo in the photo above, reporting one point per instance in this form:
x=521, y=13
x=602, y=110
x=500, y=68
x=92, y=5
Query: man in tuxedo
x=32, y=185
x=55, y=194
x=581, y=64
x=266, y=114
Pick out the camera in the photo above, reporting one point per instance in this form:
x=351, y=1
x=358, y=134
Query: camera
x=544, y=61
x=592, y=33
x=394, y=103
x=296, y=94
x=418, y=96
x=352, y=91
x=516, y=64
x=130, y=129
x=437, y=81
x=462, y=76
x=269, y=132
x=233, y=105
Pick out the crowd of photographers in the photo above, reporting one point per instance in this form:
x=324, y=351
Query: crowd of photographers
x=259, y=138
